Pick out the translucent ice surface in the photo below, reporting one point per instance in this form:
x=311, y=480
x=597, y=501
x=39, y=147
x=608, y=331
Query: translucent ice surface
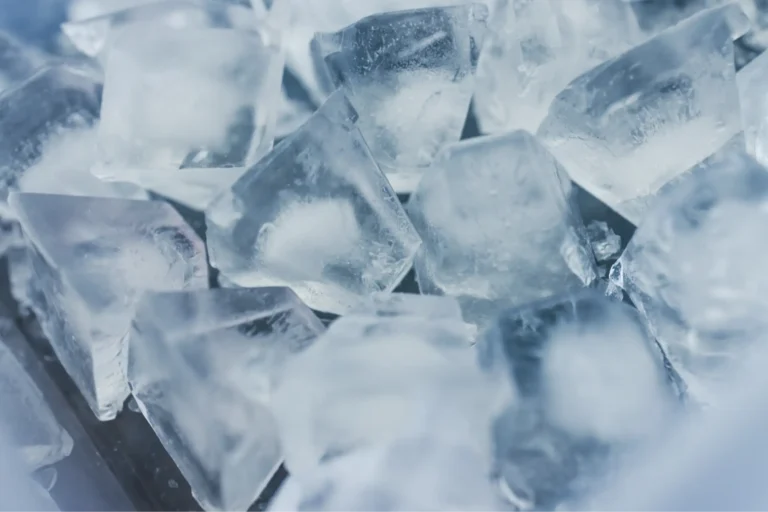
x=631, y=125
x=534, y=48
x=410, y=75
x=202, y=368
x=372, y=380
x=19, y=491
x=499, y=223
x=56, y=102
x=684, y=270
x=591, y=386
x=753, y=97
x=92, y=257
x=26, y=416
x=17, y=62
x=315, y=214
x=93, y=36
x=605, y=243
x=185, y=111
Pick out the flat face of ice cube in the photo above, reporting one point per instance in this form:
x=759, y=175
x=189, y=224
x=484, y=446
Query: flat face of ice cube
x=53, y=103
x=590, y=382
x=202, y=366
x=498, y=223
x=535, y=47
x=92, y=36
x=371, y=380
x=92, y=257
x=410, y=74
x=626, y=128
x=705, y=306
x=186, y=99
x=27, y=418
x=315, y=214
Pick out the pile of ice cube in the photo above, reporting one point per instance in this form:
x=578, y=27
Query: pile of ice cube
x=519, y=377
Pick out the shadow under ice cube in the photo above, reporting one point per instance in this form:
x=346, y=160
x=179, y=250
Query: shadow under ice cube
x=202, y=367
x=92, y=257
x=315, y=214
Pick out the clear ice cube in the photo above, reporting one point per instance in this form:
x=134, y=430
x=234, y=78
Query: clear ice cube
x=410, y=75
x=54, y=103
x=499, y=223
x=185, y=111
x=202, y=368
x=17, y=62
x=92, y=257
x=683, y=270
x=93, y=36
x=27, y=418
x=534, y=48
x=315, y=214
x=373, y=380
x=636, y=122
x=591, y=384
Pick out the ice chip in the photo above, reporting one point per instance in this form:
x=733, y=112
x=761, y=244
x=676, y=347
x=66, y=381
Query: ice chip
x=27, y=418
x=681, y=269
x=315, y=214
x=534, y=48
x=591, y=385
x=92, y=258
x=410, y=75
x=629, y=126
x=605, y=243
x=202, y=368
x=185, y=111
x=499, y=223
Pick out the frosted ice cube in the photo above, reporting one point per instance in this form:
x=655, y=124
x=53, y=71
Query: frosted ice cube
x=591, y=385
x=27, y=417
x=631, y=125
x=499, y=223
x=534, y=48
x=315, y=214
x=55, y=102
x=202, y=368
x=93, y=36
x=682, y=270
x=605, y=243
x=92, y=257
x=17, y=62
x=185, y=111
x=410, y=75
x=371, y=380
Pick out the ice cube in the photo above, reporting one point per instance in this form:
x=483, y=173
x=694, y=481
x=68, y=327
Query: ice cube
x=631, y=125
x=410, y=75
x=185, y=111
x=53, y=103
x=534, y=48
x=315, y=214
x=682, y=270
x=92, y=258
x=605, y=243
x=27, y=417
x=373, y=380
x=202, y=367
x=17, y=62
x=591, y=385
x=499, y=223
x=93, y=36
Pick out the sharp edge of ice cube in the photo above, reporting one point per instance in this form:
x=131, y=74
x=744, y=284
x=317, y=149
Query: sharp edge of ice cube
x=678, y=104
x=202, y=368
x=315, y=214
x=91, y=258
x=410, y=75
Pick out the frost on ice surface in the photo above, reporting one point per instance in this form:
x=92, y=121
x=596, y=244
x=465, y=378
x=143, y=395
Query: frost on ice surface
x=315, y=214
x=185, y=111
x=410, y=75
x=202, y=368
x=499, y=224
x=591, y=386
x=92, y=257
x=682, y=270
x=629, y=126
